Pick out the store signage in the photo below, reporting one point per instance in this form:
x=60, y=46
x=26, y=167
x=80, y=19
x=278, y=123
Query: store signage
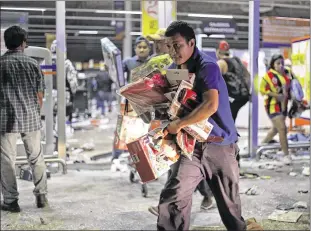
x=279, y=30
x=150, y=22
x=217, y=26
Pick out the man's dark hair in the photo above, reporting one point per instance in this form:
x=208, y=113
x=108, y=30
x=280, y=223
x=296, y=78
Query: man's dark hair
x=182, y=28
x=14, y=37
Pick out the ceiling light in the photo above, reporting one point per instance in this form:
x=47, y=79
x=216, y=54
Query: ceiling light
x=202, y=35
x=135, y=33
x=88, y=32
x=293, y=19
x=117, y=12
x=210, y=16
x=24, y=9
x=217, y=36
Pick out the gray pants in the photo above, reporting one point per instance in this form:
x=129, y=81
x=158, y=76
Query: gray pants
x=33, y=149
x=216, y=164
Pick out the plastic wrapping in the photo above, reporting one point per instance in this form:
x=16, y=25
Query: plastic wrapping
x=183, y=103
x=186, y=143
x=157, y=64
x=145, y=92
x=176, y=109
x=130, y=128
x=200, y=131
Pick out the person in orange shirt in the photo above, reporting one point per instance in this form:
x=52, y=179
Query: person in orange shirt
x=274, y=87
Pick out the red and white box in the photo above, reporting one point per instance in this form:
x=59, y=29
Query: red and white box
x=149, y=161
x=182, y=105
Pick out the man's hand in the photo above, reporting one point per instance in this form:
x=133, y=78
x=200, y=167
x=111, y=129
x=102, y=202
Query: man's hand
x=40, y=98
x=174, y=127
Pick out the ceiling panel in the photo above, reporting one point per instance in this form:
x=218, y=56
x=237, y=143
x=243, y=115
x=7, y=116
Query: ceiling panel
x=42, y=22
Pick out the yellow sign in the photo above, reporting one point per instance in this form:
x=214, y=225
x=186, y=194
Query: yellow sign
x=49, y=38
x=150, y=22
x=301, y=64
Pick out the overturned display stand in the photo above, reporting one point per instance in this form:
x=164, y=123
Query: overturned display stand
x=44, y=56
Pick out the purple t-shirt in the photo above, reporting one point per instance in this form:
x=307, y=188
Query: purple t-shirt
x=208, y=77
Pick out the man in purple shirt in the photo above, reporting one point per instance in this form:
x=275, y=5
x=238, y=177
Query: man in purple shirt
x=214, y=160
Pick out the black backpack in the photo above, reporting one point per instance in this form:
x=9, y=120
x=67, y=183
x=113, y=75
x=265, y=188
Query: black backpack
x=237, y=78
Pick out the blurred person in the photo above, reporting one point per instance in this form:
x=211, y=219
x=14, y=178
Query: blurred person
x=142, y=51
x=213, y=160
x=161, y=49
x=71, y=81
x=21, y=97
x=236, y=77
x=103, y=91
x=274, y=87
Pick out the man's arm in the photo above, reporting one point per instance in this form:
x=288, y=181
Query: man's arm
x=40, y=98
x=40, y=84
x=223, y=66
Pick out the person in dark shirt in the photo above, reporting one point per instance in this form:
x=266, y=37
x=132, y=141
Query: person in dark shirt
x=161, y=49
x=236, y=77
x=213, y=160
x=142, y=51
x=104, y=91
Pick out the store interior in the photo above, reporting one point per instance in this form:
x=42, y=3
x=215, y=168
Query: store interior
x=86, y=42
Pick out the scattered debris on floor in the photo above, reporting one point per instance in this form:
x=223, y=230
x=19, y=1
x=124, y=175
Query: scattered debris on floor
x=285, y=216
x=306, y=171
x=88, y=146
x=248, y=175
x=293, y=173
x=42, y=221
x=252, y=191
x=271, y=166
x=265, y=177
x=77, y=151
x=301, y=205
x=285, y=207
x=303, y=191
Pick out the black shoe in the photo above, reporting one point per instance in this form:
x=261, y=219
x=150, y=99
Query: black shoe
x=41, y=201
x=12, y=207
x=207, y=203
x=154, y=210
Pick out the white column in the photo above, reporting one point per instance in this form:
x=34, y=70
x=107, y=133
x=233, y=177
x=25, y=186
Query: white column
x=166, y=13
x=199, y=38
x=253, y=47
x=60, y=71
